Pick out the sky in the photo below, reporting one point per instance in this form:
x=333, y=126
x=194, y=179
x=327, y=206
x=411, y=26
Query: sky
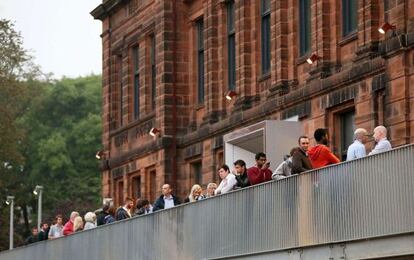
x=61, y=34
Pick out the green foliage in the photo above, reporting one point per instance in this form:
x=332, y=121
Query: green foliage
x=65, y=133
x=49, y=134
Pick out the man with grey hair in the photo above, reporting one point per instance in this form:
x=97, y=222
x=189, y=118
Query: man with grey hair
x=380, y=136
x=68, y=227
x=357, y=148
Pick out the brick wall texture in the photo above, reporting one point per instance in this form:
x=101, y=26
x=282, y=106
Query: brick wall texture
x=365, y=72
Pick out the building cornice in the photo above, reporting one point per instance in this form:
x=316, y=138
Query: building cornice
x=103, y=10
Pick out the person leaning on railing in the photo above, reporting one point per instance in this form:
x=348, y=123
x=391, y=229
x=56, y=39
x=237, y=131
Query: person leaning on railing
x=357, y=148
x=300, y=159
x=240, y=171
x=228, y=180
x=260, y=172
x=380, y=136
x=320, y=155
x=166, y=200
x=196, y=194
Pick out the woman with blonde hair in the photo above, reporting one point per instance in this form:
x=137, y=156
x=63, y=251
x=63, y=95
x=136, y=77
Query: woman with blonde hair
x=195, y=194
x=78, y=224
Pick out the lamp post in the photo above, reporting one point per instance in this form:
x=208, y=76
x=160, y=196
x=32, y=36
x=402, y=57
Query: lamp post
x=10, y=201
x=38, y=191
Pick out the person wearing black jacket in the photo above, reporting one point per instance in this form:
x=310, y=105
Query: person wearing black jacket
x=125, y=211
x=300, y=159
x=166, y=200
x=100, y=220
x=241, y=174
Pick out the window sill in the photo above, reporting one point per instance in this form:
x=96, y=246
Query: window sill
x=133, y=123
x=264, y=77
x=199, y=106
x=302, y=59
x=349, y=38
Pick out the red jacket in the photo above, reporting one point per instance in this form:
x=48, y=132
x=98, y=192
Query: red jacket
x=256, y=175
x=321, y=156
x=68, y=228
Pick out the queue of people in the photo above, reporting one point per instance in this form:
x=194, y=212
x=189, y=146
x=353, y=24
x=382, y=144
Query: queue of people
x=300, y=159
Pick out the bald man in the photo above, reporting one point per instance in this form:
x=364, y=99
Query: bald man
x=166, y=200
x=380, y=136
x=357, y=148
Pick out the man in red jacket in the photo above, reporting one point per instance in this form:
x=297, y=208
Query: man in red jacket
x=68, y=227
x=260, y=172
x=320, y=155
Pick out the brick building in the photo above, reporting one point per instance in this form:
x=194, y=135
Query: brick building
x=168, y=64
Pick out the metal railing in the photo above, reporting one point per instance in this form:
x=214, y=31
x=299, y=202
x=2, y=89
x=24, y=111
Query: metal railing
x=364, y=198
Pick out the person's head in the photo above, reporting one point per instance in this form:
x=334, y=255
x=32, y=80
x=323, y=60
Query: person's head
x=293, y=150
x=105, y=207
x=195, y=192
x=77, y=223
x=166, y=190
x=260, y=159
x=380, y=132
x=240, y=166
x=360, y=134
x=129, y=203
x=90, y=217
x=59, y=219
x=112, y=211
x=321, y=136
x=211, y=187
x=45, y=226
x=303, y=142
x=142, y=203
x=35, y=231
x=223, y=171
x=73, y=215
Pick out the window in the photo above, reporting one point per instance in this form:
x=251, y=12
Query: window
x=153, y=71
x=136, y=187
x=265, y=12
x=120, y=192
x=347, y=125
x=231, y=48
x=152, y=185
x=121, y=91
x=304, y=26
x=200, y=61
x=349, y=16
x=196, y=172
x=135, y=54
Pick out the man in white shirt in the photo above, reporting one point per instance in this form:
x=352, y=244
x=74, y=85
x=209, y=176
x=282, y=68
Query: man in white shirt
x=380, y=136
x=228, y=180
x=357, y=149
x=57, y=229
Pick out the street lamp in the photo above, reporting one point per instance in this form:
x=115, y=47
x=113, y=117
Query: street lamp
x=10, y=201
x=38, y=191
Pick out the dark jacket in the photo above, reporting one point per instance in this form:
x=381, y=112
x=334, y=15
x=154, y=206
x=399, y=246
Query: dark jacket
x=100, y=220
x=43, y=235
x=32, y=239
x=121, y=214
x=300, y=162
x=159, y=203
x=242, y=180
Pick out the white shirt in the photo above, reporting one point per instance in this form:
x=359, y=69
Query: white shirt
x=127, y=211
x=56, y=231
x=227, y=184
x=356, y=150
x=382, y=146
x=168, y=202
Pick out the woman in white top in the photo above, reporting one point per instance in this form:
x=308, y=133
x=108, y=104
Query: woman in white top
x=228, y=180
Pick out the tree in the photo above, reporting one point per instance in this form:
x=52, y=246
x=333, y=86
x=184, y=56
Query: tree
x=16, y=68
